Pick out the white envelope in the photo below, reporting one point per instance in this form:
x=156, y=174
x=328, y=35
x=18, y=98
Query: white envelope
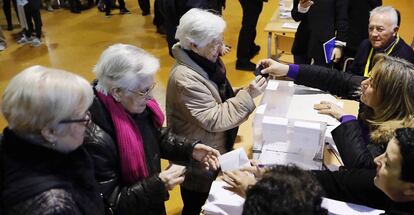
x=336, y=207
x=233, y=160
x=222, y=202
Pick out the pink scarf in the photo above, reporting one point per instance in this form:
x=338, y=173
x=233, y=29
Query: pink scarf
x=129, y=139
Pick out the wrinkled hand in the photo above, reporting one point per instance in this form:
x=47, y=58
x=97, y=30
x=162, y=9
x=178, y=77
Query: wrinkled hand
x=207, y=156
x=336, y=54
x=225, y=49
x=329, y=108
x=274, y=68
x=305, y=3
x=257, y=86
x=239, y=181
x=172, y=177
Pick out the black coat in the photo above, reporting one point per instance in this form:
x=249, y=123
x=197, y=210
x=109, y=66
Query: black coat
x=38, y=180
x=172, y=10
x=357, y=186
x=401, y=50
x=358, y=19
x=351, y=137
x=318, y=25
x=143, y=197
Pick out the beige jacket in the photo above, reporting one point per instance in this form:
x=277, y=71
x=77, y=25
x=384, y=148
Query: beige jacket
x=195, y=110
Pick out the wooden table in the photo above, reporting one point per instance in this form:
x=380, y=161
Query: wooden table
x=274, y=27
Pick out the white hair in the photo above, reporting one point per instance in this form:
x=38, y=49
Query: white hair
x=386, y=10
x=39, y=97
x=124, y=66
x=199, y=27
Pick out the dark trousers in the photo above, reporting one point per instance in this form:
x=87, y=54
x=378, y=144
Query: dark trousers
x=144, y=5
x=247, y=35
x=193, y=201
x=108, y=5
x=7, y=11
x=158, y=19
x=33, y=15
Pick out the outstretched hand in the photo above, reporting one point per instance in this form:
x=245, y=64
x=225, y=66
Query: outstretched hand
x=257, y=86
x=274, y=68
x=329, y=108
x=239, y=181
x=207, y=156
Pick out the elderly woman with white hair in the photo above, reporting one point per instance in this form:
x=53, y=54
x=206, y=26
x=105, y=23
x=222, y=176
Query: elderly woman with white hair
x=45, y=169
x=201, y=103
x=126, y=139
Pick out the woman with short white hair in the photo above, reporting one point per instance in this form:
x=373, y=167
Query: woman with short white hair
x=126, y=137
x=201, y=103
x=44, y=167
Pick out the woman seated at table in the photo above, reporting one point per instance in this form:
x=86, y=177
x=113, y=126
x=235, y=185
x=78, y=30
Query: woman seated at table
x=390, y=187
x=388, y=98
x=125, y=137
x=44, y=168
x=201, y=103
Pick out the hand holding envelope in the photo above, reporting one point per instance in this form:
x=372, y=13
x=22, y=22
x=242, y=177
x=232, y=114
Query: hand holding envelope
x=237, y=180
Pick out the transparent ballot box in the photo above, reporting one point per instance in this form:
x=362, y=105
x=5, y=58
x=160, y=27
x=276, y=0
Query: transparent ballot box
x=286, y=128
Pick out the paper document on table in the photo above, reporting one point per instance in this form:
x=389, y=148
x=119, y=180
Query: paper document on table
x=222, y=202
x=301, y=107
x=336, y=207
x=233, y=160
x=290, y=25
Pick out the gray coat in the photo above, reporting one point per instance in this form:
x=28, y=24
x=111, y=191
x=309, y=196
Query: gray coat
x=195, y=110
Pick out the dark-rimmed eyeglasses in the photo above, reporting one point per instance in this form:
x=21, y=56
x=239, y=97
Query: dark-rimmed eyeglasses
x=145, y=93
x=85, y=120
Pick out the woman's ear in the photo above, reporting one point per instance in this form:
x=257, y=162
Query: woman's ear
x=116, y=93
x=193, y=47
x=49, y=134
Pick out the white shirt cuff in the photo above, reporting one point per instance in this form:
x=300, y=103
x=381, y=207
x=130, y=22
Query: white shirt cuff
x=340, y=43
x=302, y=9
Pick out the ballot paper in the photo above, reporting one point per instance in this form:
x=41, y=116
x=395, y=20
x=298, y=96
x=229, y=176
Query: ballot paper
x=330, y=143
x=301, y=107
x=336, y=207
x=233, y=160
x=222, y=202
x=290, y=25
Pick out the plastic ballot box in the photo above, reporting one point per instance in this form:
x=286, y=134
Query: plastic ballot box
x=287, y=129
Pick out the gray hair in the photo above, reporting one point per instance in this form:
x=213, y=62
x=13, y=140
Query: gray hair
x=199, y=27
x=39, y=97
x=386, y=10
x=124, y=66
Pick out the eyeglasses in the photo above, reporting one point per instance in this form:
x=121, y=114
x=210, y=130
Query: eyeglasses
x=85, y=120
x=145, y=93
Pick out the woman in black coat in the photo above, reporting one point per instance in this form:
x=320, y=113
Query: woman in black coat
x=44, y=167
x=126, y=138
x=388, y=98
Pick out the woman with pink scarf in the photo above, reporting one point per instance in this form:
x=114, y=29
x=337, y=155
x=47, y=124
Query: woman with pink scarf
x=126, y=138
